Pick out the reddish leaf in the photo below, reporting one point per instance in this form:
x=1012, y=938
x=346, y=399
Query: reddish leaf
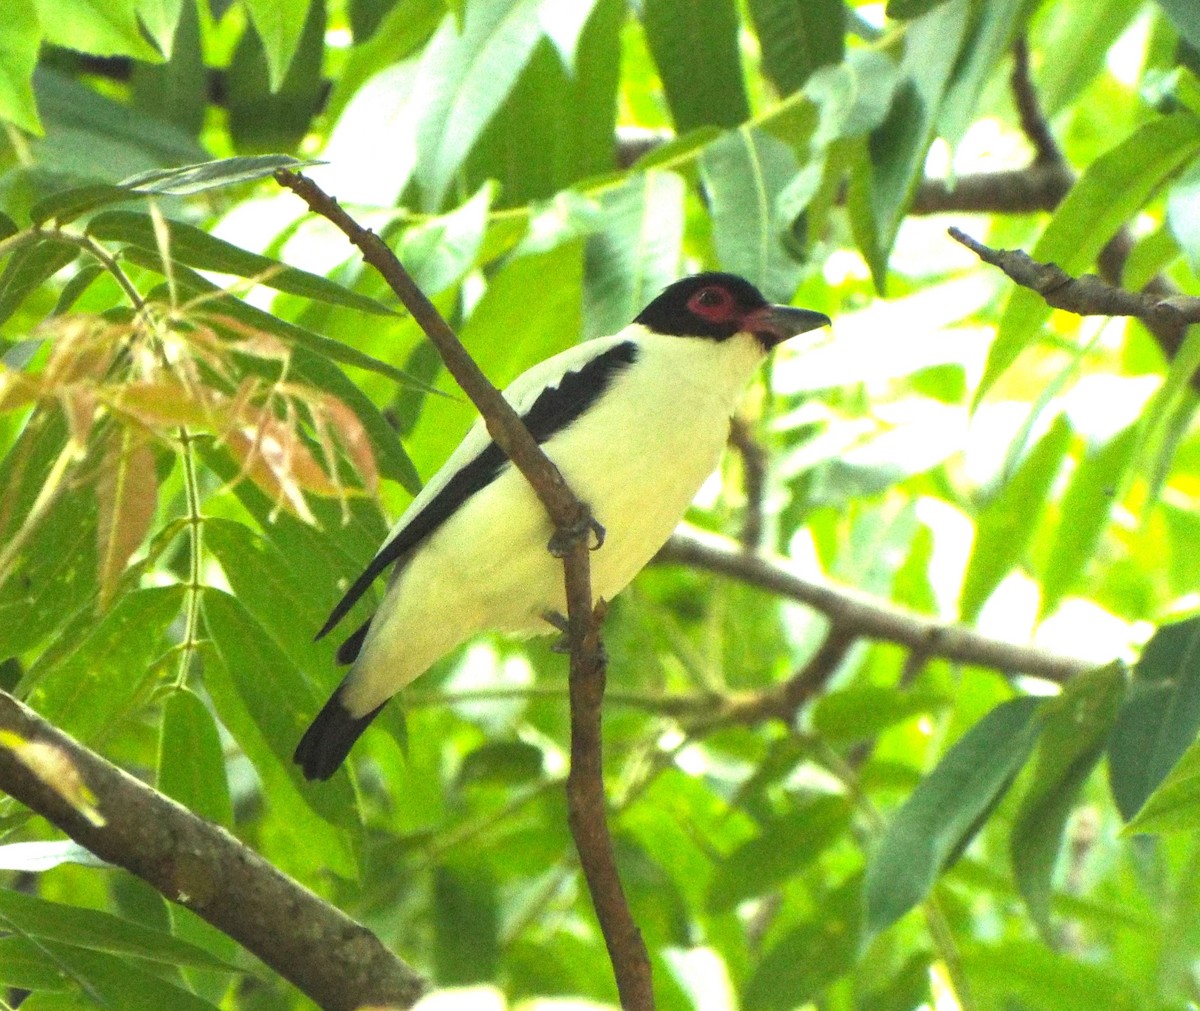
x=127, y=493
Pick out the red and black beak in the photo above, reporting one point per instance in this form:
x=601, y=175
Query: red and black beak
x=774, y=324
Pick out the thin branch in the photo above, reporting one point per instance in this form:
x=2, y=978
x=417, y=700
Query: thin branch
x=854, y=613
x=1087, y=295
x=574, y=526
x=334, y=960
x=754, y=479
x=1029, y=109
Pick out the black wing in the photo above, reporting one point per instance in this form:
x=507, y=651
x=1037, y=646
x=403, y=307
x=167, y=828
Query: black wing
x=555, y=408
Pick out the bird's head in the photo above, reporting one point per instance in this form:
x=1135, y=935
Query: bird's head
x=717, y=306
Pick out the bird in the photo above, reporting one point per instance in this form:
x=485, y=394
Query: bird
x=635, y=422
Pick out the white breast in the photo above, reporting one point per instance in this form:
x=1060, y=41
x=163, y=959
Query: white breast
x=637, y=457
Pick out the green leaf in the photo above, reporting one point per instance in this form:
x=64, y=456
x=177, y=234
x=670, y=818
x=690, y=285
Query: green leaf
x=898, y=147
x=437, y=253
x=797, y=38
x=100, y=931
x=1183, y=215
x=806, y=959
x=99, y=27
x=746, y=172
x=404, y=29
x=104, y=675
x=175, y=92
x=1174, y=806
x=199, y=250
x=191, y=759
x=298, y=336
x=1080, y=38
x=1075, y=728
x=187, y=180
x=290, y=608
x=75, y=287
x=91, y=136
x=1160, y=717
x=391, y=460
x=466, y=915
x=115, y=981
x=265, y=703
x=862, y=712
x=782, y=849
x=280, y=25
x=948, y=807
x=501, y=763
x=695, y=46
x=556, y=126
x=906, y=10
x=1106, y=196
x=20, y=36
x=55, y=574
x=265, y=112
x=8, y=227
x=1005, y=526
x=1085, y=508
x=636, y=253
x=160, y=18
x=1185, y=18
x=30, y=266
x=990, y=42
x=1028, y=974
x=461, y=80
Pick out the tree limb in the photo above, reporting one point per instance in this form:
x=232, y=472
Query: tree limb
x=857, y=614
x=574, y=526
x=1087, y=295
x=334, y=960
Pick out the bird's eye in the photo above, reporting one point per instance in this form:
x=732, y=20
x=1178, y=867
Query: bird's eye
x=711, y=303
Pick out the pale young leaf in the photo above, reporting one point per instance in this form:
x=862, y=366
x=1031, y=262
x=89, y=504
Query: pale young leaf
x=126, y=494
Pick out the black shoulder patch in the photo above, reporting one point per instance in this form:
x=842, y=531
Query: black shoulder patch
x=555, y=408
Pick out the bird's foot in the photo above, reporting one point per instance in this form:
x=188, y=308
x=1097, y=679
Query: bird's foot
x=564, y=537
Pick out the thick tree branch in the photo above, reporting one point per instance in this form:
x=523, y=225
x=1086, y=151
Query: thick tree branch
x=334, y=960
x=574, y=527
x=854, y=613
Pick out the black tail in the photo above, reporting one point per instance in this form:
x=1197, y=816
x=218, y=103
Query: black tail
x=329, y=738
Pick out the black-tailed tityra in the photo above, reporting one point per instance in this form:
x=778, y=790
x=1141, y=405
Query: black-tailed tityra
x=635, y=422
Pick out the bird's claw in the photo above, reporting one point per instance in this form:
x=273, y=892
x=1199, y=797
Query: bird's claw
x=564, y=537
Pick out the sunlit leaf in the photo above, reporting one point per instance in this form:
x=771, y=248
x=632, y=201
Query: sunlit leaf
x=202, y=251
x=747, y=173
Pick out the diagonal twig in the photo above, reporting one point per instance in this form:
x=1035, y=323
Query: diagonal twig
x=574, y=527
x=1087, y=295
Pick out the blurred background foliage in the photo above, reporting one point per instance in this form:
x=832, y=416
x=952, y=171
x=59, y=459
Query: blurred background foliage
x=199, y=443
